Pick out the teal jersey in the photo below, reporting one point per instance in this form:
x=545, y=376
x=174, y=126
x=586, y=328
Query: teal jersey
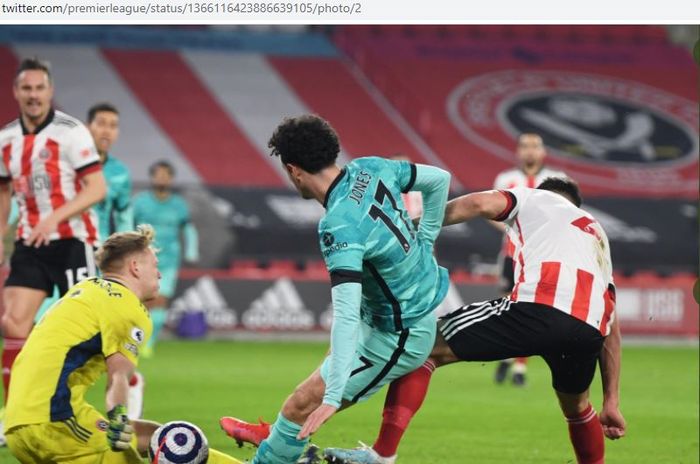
x=367, y=236
x=168, y=219
x=118, y=198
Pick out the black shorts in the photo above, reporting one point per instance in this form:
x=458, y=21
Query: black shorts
x=501, y=329
x=61, y=263
x=507, y=279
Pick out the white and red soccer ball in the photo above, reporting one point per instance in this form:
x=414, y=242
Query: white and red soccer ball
x=178, y=442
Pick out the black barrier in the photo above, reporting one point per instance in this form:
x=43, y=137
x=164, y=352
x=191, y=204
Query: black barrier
x=645, y=235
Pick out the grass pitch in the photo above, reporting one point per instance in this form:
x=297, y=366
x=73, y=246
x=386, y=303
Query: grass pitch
x=465, y=419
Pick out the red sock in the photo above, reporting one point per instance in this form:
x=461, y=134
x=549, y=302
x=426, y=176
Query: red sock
x=404, y=398
x=10, y=349
x=586, y=435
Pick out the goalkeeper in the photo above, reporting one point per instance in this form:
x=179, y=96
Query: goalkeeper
x=100, y=325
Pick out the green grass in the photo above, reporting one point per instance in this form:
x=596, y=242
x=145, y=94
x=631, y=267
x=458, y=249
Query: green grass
x=466, y=418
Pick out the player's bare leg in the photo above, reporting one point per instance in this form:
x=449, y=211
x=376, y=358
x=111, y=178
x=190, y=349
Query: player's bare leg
x=404, y=398
x=296, y=408
x=279, y=443
x=585, y=429
x=21, y=306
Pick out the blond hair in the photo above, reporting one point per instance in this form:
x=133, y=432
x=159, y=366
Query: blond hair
x=110, y=257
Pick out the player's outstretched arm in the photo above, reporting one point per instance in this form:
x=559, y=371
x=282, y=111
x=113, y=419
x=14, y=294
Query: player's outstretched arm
x=347, y=299
x=613, y=422
x=434, y=184
x=489, y=205
x=120, y=432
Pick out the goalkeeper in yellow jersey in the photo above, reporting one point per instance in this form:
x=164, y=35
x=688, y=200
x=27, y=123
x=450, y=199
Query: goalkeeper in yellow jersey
x=99, y=325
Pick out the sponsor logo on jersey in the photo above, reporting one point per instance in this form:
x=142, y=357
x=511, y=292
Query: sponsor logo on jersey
x=334, y=248
x=328, y=239
x=598, y=128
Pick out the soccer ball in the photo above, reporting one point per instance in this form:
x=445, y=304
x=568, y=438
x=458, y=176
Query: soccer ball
x=178, y=442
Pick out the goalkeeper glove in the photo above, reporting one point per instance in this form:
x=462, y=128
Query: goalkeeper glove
x=120, y=432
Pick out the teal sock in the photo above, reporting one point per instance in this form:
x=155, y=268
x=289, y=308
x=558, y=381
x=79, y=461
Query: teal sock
x=282, y=446
x=158, y=316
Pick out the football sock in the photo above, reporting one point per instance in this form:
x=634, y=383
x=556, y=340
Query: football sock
x=217, y=457
x=158, y=316
x=10, y=349
x=282, y=446
x=586, y=435
x=519, y=367
x=404, y=397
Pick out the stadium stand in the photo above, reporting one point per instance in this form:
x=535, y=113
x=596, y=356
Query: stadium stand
x=207, y=99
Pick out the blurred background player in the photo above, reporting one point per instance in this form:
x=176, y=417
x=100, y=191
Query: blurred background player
x=169, y=215
x=530, y=172
x=114, y=212
x=562, y=308
x=100, y=325
x=50, y=162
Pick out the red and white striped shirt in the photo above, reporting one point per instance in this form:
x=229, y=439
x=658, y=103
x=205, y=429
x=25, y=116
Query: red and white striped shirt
x=514, y=178
x=562, y=256
x=45, y=168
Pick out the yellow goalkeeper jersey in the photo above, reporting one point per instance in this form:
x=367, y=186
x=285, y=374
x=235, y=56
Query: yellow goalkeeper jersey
x=66, y=351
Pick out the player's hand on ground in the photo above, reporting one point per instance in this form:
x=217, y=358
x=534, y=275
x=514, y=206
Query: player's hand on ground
x=316, y=420
x=120, y=432
x=613, y=423
x=42, y=232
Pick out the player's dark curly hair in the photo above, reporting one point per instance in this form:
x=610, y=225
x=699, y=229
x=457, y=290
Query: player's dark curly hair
x=307, y=141
x=566, y=186
x=33, y=64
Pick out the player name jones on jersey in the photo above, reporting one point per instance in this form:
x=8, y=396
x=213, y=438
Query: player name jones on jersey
x=360, y=187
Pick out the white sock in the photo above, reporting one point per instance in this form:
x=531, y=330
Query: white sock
x=519, y=368
x=134, y=407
